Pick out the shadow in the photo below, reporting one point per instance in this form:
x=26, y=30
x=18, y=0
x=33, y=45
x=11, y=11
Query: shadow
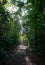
x=33, y=58
x=23, y=56
x=16, y=59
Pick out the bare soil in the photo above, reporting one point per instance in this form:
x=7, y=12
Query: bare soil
x=23, y=56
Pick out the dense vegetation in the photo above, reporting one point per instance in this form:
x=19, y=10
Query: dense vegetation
x=35, y=26
x=9, y=32
x=33, y=18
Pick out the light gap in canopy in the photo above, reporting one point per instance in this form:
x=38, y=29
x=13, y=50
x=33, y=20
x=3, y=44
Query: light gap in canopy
x=25, y=1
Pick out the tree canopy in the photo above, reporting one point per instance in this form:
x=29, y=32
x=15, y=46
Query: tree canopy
x=32, y=15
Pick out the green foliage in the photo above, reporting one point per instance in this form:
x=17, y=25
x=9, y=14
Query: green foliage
x=34, y=24
x=4, y=28
x=4, y=22
x=3, y=2
x=35, y=29
x=9, y=34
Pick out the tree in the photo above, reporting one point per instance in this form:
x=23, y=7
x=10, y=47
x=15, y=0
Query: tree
x=36, y=26
x=9, y=35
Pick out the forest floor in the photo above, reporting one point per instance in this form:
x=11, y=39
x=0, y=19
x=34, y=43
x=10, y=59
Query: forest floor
x=23, y=56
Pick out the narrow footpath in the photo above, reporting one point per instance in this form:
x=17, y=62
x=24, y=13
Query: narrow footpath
x=23, y=56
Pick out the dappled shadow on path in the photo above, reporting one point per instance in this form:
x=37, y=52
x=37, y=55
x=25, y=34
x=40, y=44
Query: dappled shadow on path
x=18, y=56
x=33, y=59
x=23, y=56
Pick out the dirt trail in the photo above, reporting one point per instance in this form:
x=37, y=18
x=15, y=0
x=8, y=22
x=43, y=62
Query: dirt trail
x=22, y=56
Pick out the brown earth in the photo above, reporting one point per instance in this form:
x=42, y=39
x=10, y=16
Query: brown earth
x=23, y=56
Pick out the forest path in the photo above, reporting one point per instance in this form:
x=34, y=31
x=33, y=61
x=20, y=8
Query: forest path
x=23, y=56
